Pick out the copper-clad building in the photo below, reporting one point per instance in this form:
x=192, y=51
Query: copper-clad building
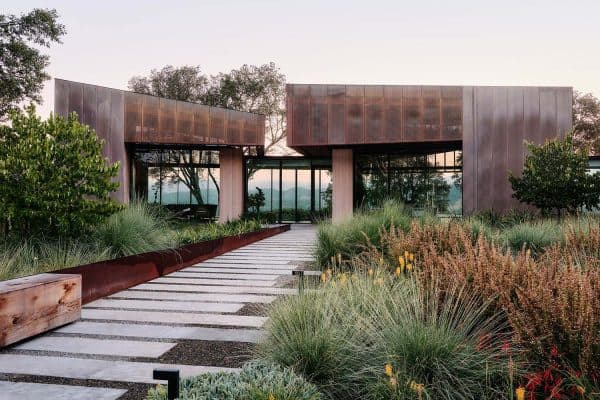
x=444, y=148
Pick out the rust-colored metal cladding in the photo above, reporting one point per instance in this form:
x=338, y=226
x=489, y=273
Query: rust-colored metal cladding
x=496, y=122
x=372, y=114
x=490, y=123
x=107, y=277
x=102, y=109
x=154, y=120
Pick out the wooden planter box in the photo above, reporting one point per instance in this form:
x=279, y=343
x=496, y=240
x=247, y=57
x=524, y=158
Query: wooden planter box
x=108, y=277
x=37, y=303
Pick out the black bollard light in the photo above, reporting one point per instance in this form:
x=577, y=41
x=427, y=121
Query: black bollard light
x=172, y=378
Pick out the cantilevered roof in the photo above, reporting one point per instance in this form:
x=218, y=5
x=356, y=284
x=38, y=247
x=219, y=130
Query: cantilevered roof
x=139, y=118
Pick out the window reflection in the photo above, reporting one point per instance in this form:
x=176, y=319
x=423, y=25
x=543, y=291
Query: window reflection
x=295, y=189
x=184, y=180
x=423, y=181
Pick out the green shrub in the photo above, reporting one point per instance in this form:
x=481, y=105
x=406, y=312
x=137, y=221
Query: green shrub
x=341, y=337
x=535, y=236
x=138, y=228
x=53, y=177
x=256, y=381
x=353, y=235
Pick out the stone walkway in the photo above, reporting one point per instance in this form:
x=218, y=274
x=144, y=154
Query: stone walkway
x=200, y=319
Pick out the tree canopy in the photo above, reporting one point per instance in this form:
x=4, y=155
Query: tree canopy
x=53, y=177
x=555, y=178
x=22, y=65
x=586, y=121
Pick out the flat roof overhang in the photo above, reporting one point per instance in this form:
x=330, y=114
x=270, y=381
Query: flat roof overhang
x=144, y=119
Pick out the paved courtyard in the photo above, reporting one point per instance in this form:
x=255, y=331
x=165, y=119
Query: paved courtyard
x=203, y=318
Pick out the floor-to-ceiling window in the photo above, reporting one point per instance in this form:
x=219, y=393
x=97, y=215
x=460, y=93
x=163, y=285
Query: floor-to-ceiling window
x=295, y=189
x=423, y=181
x=184, y=180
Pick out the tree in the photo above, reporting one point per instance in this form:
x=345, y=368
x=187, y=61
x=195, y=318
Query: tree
x=185, y=83
x=256, y=200
x=586, y=121
x=22, y=66
x=555, y=178
x=53, y=177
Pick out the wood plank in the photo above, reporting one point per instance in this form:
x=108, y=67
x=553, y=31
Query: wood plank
x=35, y=304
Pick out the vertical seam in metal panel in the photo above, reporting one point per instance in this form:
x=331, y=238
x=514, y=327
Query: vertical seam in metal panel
x=474, y=131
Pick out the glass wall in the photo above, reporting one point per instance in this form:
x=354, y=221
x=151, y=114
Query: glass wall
x=424, y=181
x=184, y=180
x=295, y=189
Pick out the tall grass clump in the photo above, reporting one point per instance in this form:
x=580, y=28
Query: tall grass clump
x=138, y=228
x=534, y=236
x=37, y=256
x=370, y=336
x=201, y=232
x=353, y=235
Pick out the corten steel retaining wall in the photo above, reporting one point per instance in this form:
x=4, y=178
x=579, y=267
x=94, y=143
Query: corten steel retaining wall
x=108, y=277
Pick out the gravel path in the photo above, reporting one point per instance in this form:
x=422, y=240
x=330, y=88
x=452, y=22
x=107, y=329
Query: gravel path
x=206, y=317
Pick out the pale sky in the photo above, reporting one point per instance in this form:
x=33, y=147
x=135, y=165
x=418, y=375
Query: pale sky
x=459, y=42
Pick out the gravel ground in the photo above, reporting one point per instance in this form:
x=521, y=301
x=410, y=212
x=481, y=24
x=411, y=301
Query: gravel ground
x=254, y=310
x=209, y=353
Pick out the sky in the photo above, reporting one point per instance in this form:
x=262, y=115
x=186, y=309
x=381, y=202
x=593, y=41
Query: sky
x=458, y=42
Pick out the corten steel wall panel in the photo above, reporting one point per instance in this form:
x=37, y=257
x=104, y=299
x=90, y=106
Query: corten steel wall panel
x=515, y=114
x=217, y=126
x=301, y=115
x=318, y=114
x=150, y=130
x=133, y=117
x=234, y=129
x=103, y=101
x=548, y=116
x=289, y=113
x=101, y=109
x=89, y=105
x=392, y=114
x=355, y=114
x=76, y=98
x=202, y=124
x=484, y=130
x=336, y=115
x=451, y=115
x=184, y=122
x=432, y=109
x=564, y=109
x=166, y=120
x=531, y=108
x=342, y=168
x=249, y=128
x=412, y=115
x=514, y=135
x=499, y=150
x=117, y=142
x=374, y=114
x=469, y=154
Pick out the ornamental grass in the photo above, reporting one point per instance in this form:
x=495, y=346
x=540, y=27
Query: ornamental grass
x=551, y=302
x=374, y=335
